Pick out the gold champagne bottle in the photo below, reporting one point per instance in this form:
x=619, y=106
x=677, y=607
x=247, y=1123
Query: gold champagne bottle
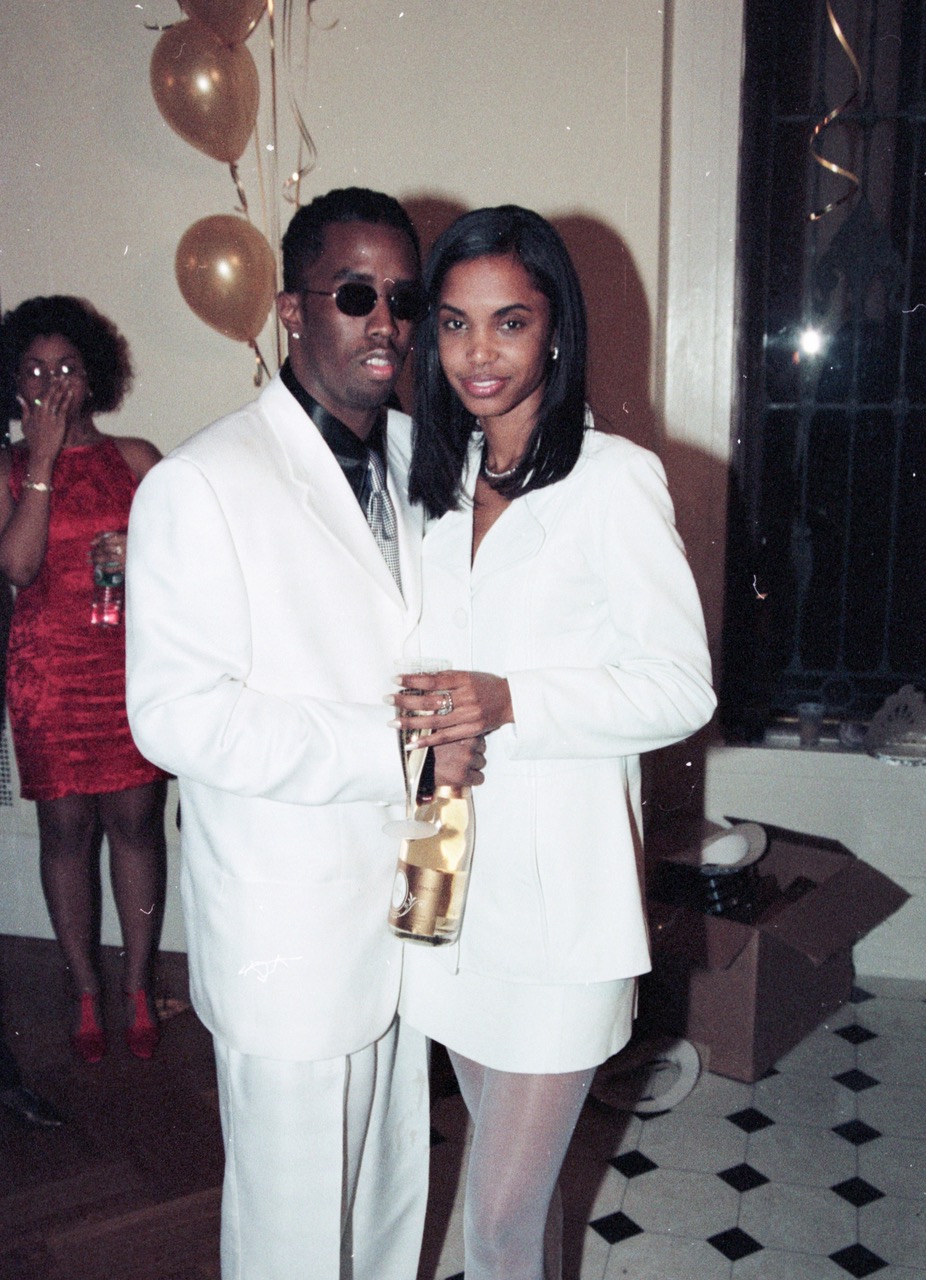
x=431, y=879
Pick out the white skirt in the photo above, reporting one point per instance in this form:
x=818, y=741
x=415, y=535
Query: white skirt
x=516, y=1026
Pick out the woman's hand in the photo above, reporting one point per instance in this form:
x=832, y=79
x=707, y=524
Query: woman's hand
x=107, y=551
x=45, y=424
x=24, y=535
x=460, y=764
x=462, y=704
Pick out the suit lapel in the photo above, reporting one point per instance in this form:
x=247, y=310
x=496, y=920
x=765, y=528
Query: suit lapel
x=516, y=535
x=327, y=497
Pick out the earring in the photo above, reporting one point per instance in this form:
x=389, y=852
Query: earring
x=554, y=353
x=295, y=336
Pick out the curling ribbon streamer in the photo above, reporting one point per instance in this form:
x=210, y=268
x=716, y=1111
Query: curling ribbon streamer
x=307, y=159
x=260, y=364
x=269, y=186
x=828, y=119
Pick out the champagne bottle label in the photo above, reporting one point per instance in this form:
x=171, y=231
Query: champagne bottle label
x=421, y=899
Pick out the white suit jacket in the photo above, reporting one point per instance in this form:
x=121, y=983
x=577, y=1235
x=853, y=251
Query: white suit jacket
x=581, y=595
x=262, y=625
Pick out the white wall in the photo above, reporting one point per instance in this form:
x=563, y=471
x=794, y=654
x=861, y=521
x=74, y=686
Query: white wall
x=445, y=103
x=876, y=810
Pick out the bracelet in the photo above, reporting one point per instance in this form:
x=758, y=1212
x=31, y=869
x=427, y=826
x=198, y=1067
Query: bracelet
x=38, y=485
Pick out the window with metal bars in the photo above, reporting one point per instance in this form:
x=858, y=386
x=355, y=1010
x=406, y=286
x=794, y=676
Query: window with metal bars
x=826, y=557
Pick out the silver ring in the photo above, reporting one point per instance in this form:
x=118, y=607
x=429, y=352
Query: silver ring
x=446, y=704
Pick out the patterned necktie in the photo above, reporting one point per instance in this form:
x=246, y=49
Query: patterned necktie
x=380, y=515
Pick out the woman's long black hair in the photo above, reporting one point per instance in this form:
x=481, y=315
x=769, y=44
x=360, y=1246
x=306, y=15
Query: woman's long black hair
x=442, y=426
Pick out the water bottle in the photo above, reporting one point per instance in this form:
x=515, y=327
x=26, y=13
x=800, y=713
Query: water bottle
x=107, y=553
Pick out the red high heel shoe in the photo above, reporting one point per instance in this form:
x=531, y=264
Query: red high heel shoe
x=143, y=1034
x=89, y=1040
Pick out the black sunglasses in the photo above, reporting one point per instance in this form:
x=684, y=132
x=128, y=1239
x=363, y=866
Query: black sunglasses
x=353, y=298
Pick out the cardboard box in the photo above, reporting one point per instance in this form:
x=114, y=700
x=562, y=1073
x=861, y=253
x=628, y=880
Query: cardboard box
x=745, y=992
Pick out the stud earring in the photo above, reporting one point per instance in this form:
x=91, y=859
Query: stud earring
x=295, y=336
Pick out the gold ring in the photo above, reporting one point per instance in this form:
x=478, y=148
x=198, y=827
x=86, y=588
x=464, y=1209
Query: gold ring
x=446, y=704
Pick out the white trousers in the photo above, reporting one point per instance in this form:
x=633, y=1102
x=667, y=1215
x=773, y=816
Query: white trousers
x=326, y=1163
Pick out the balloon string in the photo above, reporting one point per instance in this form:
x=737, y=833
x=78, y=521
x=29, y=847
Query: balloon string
x=828, y=119
x=262, y=190
x=259, y=362
x=233, y=170
x=261, y=182
x=275, y=230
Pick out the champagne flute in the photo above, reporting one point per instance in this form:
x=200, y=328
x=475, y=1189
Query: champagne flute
x=414, y=749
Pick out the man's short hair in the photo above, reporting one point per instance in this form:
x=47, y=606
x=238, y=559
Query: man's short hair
x=305, y=236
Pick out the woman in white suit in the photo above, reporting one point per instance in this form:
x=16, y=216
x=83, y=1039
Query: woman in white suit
x=555, y=580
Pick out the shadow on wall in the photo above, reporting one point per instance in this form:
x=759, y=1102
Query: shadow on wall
x=619, y=329
x=619, y=366
x=431, y=215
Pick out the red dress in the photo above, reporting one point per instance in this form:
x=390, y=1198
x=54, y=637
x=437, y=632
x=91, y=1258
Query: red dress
x=65, y=676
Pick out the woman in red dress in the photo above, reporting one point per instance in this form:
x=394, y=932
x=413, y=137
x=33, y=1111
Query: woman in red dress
x=61, y=486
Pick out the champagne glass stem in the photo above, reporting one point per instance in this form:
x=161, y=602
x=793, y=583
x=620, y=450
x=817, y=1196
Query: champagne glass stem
x=413, y=756
x=414, y=752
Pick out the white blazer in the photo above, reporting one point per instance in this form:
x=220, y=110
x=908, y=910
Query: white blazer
x=262, y=624
x=581, y=595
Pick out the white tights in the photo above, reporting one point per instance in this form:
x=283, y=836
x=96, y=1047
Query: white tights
x=522, y=1128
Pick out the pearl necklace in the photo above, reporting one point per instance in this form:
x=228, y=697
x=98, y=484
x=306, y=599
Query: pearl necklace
x=498, y=475
x=488, y=472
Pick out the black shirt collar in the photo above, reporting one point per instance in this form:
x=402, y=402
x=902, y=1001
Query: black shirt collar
x=351, y=452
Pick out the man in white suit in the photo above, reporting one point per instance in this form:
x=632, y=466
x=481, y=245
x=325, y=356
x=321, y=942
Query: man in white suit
x=273, y=577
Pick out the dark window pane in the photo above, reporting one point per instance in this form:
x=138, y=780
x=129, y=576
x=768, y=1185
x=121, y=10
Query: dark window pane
x=827, y=535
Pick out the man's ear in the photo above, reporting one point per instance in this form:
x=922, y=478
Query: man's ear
x=289, y=310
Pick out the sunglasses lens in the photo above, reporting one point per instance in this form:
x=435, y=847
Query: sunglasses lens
x=355, y=299
x=407, y=302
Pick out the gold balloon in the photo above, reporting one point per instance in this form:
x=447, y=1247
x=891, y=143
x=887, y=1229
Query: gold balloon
x=205, y=90
x=227, y=274
x=231, y=20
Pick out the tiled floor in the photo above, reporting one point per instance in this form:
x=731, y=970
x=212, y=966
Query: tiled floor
x=816, y=1172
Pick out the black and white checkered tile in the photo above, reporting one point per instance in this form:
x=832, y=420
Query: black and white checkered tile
x=816, y=1172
